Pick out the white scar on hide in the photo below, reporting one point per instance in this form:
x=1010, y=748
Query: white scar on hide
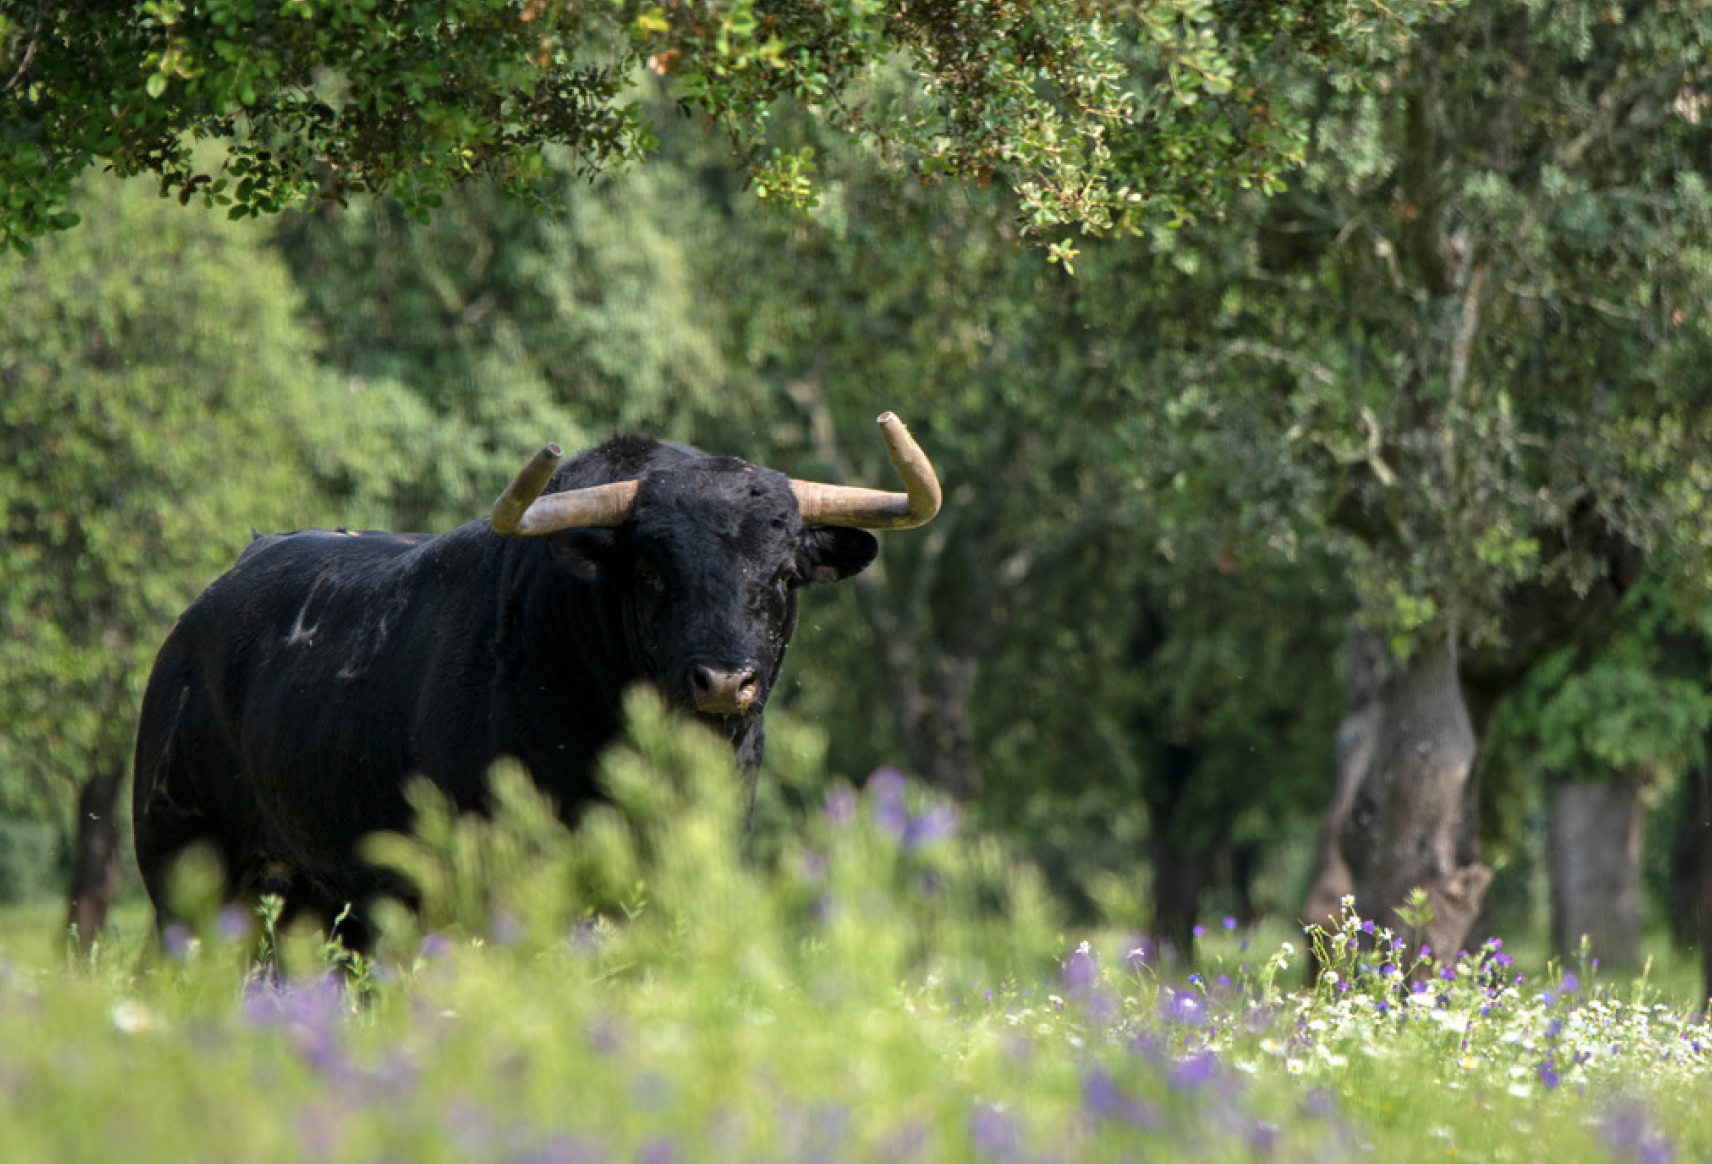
x=299, y=632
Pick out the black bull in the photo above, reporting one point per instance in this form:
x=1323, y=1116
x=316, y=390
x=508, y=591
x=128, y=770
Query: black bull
x=302, y=690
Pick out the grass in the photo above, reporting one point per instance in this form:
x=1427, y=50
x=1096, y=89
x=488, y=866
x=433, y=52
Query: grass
x=868, y=983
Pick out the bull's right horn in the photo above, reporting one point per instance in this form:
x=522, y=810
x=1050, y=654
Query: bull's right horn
x=521, y=511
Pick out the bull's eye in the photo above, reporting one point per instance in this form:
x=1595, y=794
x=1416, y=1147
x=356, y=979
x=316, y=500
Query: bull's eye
x=647, y=577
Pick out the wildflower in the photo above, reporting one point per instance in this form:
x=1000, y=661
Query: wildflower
x=936, y=824
x=995, y=1133
x=887, y=788
x=180, y=944
x=232, y=924
x=1263, y=1137
x=1630, y=1134
x=310, y=1014
x=1103, y=1099
x=1230, y=923
x=1195, y=1072
x=659, y=1151
x=1079, y=969
x=1182, y=1008
x=840, y=805
x=133, y=1017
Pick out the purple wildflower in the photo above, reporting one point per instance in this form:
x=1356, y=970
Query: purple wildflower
x=936, y=824
x=1079, y=969
x=1571, y=983
x=604, y=1035
x=661, y=1150
x=1182, y=1008
x=904, y=1145
x=995, y=1132
x=177, y=939
x=841, y=804
x=1263, y=1137
x=1195, y=1072
x=1103, y=1099
x=886, y=786
x=232, y=924
x=1230, y=922
x=1629, y=1132
x=310, y=1014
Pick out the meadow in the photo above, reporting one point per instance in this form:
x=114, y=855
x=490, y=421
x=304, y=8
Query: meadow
x=856, y=976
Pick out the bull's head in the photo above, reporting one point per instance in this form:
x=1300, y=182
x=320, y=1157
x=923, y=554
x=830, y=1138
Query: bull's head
x=709, y=553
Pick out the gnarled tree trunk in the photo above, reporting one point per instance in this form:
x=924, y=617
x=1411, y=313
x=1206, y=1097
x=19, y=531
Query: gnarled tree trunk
x=1691, y=874
x=1595, y=852
x=1405, y=820
x=95, y=859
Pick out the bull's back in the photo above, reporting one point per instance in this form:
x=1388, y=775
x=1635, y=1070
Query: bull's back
x=283, y=713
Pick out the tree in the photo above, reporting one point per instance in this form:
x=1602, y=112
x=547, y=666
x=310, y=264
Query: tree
x=1471, y=321
x=160, y=401
x=1598, y=726
x=1095, y=117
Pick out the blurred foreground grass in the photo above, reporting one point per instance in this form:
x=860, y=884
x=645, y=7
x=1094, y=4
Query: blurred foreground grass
x=870, y=983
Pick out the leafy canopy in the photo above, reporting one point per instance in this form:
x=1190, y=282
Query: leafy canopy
x=1098, y=116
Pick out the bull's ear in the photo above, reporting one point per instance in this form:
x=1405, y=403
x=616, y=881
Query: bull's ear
x=587, y=554
x=832, y=554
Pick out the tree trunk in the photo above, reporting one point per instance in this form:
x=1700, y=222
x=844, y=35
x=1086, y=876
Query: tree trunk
x=1595, y=853
x=95, y=860
x=942, y=741
x=1691, y=875
x=1404, y=822
x=1180, y=858
x=1357, y=737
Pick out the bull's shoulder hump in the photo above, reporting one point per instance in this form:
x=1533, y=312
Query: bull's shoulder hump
x=365, y=543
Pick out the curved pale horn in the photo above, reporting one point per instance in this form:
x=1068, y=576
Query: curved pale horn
x=521, y=511
x=859, y=508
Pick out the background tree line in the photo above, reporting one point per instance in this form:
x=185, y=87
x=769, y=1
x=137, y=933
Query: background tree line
x=1374, y=507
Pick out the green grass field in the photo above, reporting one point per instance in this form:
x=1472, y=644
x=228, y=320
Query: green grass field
x=870, y=984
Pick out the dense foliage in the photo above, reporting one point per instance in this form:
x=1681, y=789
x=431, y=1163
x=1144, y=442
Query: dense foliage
x=1095, y=116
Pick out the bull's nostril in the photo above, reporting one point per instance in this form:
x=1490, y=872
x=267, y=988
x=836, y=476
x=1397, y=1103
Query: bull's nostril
x=720, y=692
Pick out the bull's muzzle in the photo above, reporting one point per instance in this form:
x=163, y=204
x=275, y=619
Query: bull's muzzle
x=718, y=691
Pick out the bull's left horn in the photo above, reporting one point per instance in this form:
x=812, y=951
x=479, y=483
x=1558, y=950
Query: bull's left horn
x=859, y=508
x=521, y=511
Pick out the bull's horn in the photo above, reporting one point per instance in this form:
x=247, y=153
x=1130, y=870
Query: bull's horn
x=521, y=511
x=859, y=508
